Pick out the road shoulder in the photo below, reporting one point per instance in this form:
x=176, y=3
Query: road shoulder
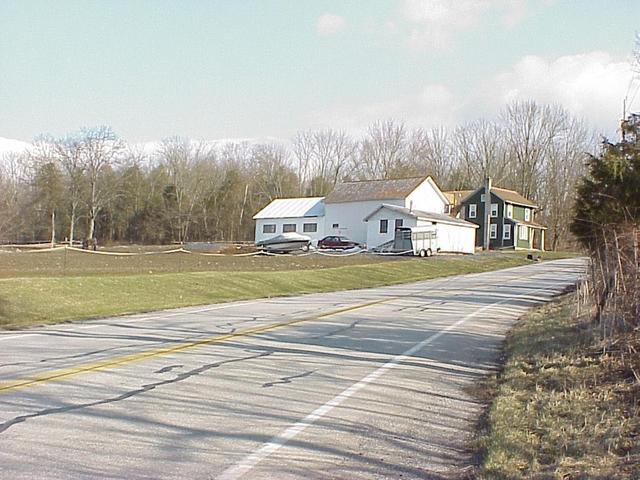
x=562, y=408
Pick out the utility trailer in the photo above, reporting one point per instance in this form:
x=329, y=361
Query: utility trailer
x=422, y=241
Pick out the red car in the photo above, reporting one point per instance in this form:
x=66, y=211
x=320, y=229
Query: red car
x=337, y=242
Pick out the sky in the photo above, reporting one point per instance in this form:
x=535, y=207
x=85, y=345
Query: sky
x=258, y=69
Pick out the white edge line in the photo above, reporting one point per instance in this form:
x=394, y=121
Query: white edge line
x=245, y=465
x=7, y=337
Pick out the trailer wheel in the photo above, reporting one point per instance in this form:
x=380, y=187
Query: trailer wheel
x=423, y=253
x=429, y=253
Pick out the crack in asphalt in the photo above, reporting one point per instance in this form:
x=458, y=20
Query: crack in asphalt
x=77, y=355
x=420, y=308
x=168, y=368
x=123, y=396
x=285, y=380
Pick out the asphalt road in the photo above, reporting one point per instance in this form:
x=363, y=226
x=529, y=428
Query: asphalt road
x=360, y=384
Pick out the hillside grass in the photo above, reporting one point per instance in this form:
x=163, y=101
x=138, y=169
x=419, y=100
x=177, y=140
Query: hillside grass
x=72, y=263
x=564, y=409
x=30, y=299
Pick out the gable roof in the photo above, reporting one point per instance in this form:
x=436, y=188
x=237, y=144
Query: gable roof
x=374, y=190
x=509, y=196
x=422, y=215
x=292, y=207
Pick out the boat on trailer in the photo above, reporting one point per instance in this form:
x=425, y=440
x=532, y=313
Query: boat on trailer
x=285, y=242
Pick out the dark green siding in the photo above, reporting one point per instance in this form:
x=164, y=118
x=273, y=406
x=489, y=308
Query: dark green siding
x=497, y=242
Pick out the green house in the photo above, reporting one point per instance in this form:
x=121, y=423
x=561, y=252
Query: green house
x=512, y=218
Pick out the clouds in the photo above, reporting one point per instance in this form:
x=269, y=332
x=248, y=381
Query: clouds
x=590, y=85
x=433, y=25
x=330, y=24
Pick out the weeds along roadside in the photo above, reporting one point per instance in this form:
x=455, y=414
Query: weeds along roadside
x=567, y=403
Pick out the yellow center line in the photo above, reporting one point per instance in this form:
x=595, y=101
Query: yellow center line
x=60, y=374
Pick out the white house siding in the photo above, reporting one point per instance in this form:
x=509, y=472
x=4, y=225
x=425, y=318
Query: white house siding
x=350, y=218
x=425, y=198
x=374, y=237
x=299, y=222
x=455, y=238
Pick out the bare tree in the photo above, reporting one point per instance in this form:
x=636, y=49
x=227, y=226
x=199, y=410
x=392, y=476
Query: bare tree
x=322, y=158
x=529, y=130
x=12, y=180
x=183, y=161
x=564, y=166
x=68, y=152
x=430, y=153
x=481, y=150
x=274, y=177
x=383, y=152
x=101, y=149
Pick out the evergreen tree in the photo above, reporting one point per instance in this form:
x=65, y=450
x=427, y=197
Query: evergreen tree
x=610, y=194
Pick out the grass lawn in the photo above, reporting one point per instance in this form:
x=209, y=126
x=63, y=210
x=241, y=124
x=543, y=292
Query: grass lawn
x=563, y=410
x=33, y=289
x=73, y=263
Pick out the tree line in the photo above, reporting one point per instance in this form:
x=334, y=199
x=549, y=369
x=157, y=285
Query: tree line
x=92, y=184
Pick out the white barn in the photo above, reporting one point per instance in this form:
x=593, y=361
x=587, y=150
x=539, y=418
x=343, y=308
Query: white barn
x=368, y=212
x=301, y=215
x=350, y=202
x=453, y=234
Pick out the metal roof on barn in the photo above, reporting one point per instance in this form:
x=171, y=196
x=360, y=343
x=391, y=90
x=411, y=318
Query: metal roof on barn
x=293, y=208
x=374, y=190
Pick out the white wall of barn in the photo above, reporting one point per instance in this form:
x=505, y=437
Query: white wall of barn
x=374, y=237
x=298, y=221
x=456, y=238
x=425, y=198
x=349, y=216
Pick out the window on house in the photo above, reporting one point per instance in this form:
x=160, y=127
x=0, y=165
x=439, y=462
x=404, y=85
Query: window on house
x=269, y=228
x=509, y=211
x=288, y=227
x=384, y=226
x=473, y=210
x=506, y=231
x=310, y=227
x=494, y=210
x=483, y=197
x=493, y=231
x=398, y=222
x=523, y=233
x=527, y=214
x=335, y=225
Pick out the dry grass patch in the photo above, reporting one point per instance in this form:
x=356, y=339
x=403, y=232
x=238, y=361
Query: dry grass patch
x=564, y=408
